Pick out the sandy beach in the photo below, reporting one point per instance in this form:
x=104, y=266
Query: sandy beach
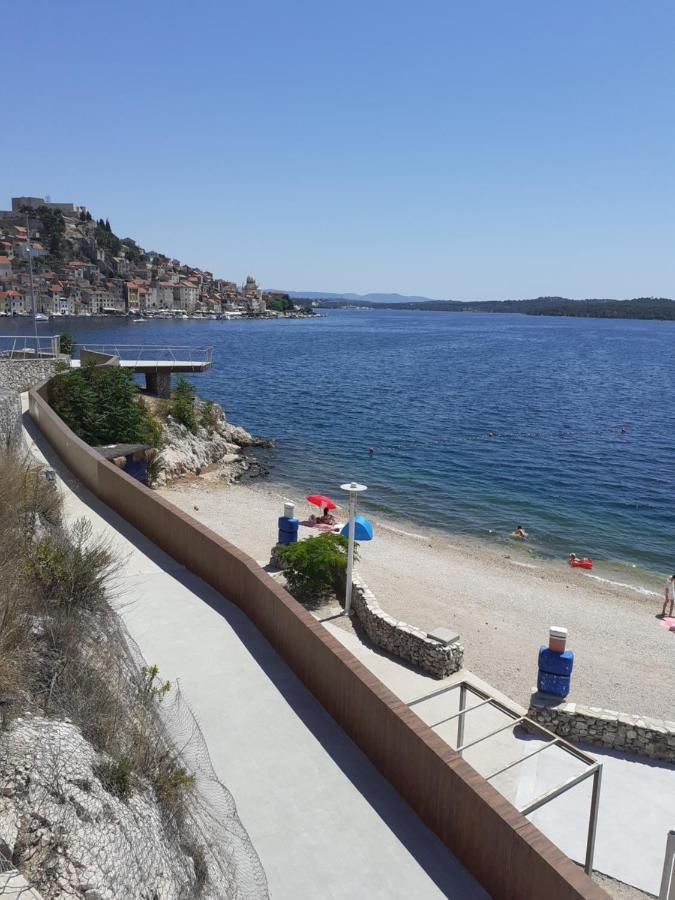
x=501, y=601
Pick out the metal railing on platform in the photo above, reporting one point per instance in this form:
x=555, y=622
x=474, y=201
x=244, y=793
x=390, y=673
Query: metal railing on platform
x=24, y=346
x=145, y=353
x=667, y=891
x=513, y=720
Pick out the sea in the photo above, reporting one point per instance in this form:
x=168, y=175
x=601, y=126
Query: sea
x=478, y=422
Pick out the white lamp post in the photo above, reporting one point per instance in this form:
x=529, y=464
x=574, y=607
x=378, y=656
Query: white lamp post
x=353, y=490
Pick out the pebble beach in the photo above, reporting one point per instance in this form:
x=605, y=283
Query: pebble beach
x=501, y=600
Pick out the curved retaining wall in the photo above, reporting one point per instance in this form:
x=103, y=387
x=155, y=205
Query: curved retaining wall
x=434, y=657
x=403, y=640
x=505, y=852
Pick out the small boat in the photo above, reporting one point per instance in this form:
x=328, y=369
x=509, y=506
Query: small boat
x=580, y=563
x=41, y=317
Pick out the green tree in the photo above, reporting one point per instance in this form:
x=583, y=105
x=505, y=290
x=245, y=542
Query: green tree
x=280, y=304
x=66, y=343
x=132, y=251
x=106, y=239
x=54, y=228
x=101, y=405
x=312, y=567
x=183, y=406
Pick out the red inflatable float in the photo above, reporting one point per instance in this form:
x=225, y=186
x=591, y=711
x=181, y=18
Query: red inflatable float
x=580, y=563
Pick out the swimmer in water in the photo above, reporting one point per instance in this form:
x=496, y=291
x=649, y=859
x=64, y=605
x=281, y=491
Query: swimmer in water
x=371, y=450
x=520, y=532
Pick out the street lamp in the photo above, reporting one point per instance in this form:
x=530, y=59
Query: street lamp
x=353, y=489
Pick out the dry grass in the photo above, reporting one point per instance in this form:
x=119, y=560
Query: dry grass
x=62, y=653
x=28, y=505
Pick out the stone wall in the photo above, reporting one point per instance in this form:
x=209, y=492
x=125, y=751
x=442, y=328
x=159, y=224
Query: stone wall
x=22, y=374
x=10, y=421
x=433, y=655
x=606, y=728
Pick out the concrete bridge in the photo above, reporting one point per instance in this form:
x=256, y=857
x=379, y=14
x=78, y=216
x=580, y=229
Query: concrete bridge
x=156, y=362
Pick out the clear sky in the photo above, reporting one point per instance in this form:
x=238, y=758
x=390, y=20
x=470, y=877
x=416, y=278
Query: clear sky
x=469, y=149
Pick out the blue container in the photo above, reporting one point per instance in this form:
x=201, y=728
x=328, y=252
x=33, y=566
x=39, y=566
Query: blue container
x=290, y=526
x=555, y=663
x=558, y=685
x=288, y=530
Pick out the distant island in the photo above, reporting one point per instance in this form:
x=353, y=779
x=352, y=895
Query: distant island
x=82, y=268
x=638, y=308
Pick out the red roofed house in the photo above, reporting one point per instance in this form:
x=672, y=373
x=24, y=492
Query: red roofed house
x=5, y=266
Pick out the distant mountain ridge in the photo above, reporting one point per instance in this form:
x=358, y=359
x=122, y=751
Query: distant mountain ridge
x=363, y=298
x=605, y=308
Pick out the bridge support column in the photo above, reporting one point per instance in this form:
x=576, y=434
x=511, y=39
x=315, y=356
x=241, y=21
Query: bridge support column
x=159, y=384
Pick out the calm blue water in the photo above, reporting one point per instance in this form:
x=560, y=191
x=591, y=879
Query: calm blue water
x=424, y=389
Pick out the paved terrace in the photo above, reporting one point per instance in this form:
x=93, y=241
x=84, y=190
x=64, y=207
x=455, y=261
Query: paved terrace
x=637, y=796
x=322, y=819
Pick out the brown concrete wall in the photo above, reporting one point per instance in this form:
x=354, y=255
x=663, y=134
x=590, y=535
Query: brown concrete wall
x=89, y=357
x=507, y=854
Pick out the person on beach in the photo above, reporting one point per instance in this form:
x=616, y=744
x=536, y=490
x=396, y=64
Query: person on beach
x=520, y=532
x=326, y=518
x=669, y=596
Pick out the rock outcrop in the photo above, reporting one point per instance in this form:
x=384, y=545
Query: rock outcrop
x=10, y=421
x=71, y=837
x=217, y=447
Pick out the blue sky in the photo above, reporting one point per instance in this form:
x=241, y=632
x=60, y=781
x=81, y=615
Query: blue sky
x=476, y=150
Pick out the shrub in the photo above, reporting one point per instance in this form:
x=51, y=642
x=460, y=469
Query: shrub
x=183, y=406
x=208, y=417
x=66, y=343
x=172, y=783
x=313, y=566
x=117, y=777
x=152, y=686
x=69, y=568
x=102, y=406
x=151, y=428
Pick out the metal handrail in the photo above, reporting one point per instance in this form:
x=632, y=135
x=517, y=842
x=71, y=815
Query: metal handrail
x=13, y=346
x=593, y=767
x=154, y=352
x=667, y=891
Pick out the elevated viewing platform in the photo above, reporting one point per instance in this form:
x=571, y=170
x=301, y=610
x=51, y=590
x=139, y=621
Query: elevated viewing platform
x=156, y=362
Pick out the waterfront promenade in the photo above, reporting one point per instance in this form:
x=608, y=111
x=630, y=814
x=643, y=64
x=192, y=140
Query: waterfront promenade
x=322, y=819
x=636, y=796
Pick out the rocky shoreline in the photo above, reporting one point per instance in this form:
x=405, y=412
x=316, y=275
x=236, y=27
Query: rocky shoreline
x=217, y=448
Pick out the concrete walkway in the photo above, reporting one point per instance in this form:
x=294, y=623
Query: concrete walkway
x=637, y=801
x=322, y=819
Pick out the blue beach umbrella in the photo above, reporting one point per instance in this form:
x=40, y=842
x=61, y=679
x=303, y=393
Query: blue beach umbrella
x=363, y=530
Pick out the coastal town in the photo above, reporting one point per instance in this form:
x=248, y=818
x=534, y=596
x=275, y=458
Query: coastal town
x=81, y=268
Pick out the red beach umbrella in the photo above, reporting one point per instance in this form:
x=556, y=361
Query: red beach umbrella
x=320, y=500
